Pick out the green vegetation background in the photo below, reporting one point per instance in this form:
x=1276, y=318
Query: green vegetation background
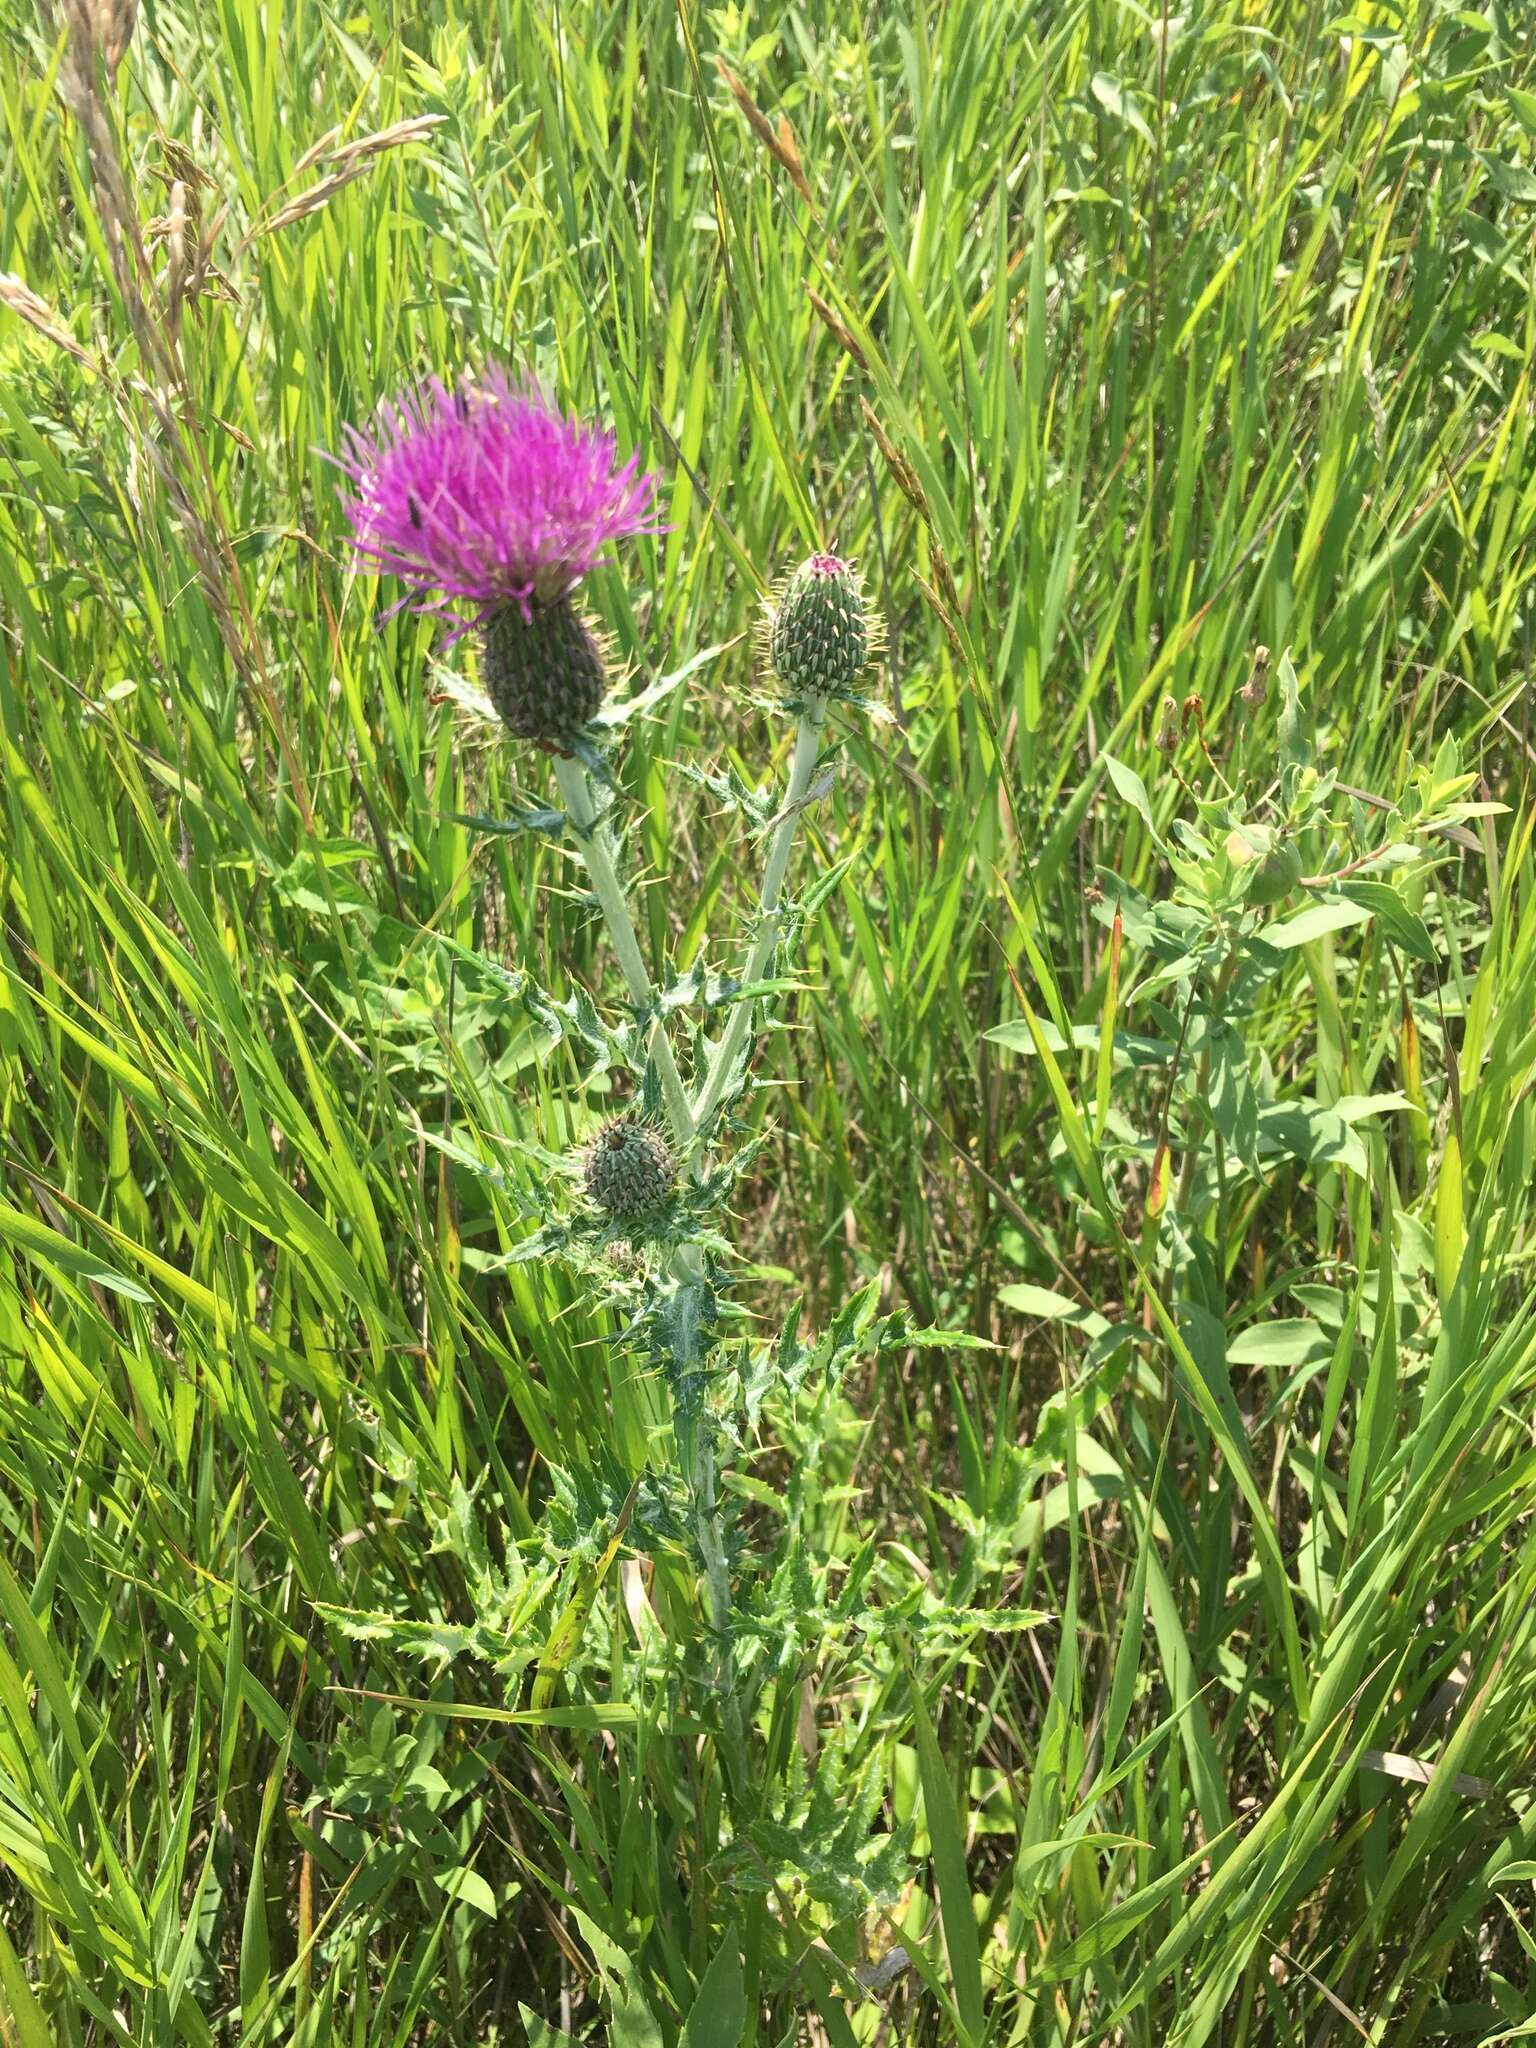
x=1114, y=347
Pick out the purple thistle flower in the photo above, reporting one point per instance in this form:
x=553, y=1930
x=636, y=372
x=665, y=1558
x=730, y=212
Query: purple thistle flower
x=484, y=497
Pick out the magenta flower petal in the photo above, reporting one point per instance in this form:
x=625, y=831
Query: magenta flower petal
x=485, y=496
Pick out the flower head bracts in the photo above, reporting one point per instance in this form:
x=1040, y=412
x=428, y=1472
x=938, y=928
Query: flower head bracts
x=622, y=1220
x=629, y=1170
x=484, y=496
x=819, y=630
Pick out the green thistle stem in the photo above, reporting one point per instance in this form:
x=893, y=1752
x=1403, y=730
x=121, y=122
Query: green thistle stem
x=696, y=1458
x=695, y=1444
x=725, y=1064
x=595, y=844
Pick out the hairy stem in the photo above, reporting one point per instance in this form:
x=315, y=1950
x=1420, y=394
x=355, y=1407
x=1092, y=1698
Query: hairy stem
x=696, y=1457
x=696, y=1443
x=695, y=1435
x=724, y=1065
x=595, y=844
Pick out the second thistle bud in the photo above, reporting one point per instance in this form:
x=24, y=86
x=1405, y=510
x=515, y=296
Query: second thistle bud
x=630, y=1171
x=819, y=630
x=544, y=672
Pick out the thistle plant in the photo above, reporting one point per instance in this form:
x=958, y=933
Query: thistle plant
x=491, y=508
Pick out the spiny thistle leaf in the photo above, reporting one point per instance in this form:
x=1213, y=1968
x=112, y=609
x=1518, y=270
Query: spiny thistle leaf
x=679, y=1326
x=517, y=818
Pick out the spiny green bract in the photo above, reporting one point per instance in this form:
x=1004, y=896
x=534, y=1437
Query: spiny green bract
x=629, y=1169
x=819, y=629
x=544, y=672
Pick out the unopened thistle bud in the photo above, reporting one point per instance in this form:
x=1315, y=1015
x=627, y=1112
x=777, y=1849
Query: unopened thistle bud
x=630, y=1172
x=820, y=633
x=544, y=671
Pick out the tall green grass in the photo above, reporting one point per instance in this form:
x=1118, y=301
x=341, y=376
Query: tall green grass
x=1114, y=347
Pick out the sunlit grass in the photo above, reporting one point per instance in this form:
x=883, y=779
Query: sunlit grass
x=1113, y=355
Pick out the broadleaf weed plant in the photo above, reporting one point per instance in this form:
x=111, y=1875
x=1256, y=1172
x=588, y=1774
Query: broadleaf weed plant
x=1268, y=855
x=491, y=507
x=1267, y=858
